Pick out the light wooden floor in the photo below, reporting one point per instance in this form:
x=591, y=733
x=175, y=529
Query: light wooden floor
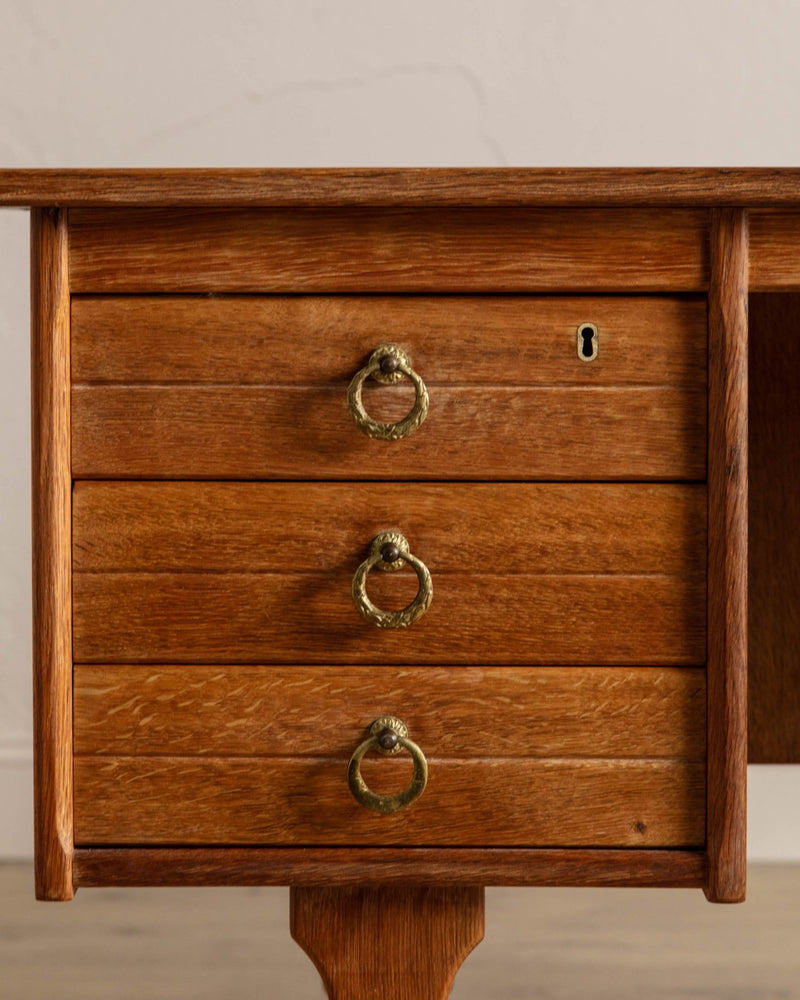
x=541, y=944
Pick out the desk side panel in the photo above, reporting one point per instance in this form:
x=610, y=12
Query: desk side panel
x=774, y=550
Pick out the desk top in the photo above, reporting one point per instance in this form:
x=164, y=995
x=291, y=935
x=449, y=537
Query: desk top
x=503, y=186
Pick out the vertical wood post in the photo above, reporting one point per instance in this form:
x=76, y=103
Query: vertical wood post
x=403, y=943
x=727, y=548
x=52, y=588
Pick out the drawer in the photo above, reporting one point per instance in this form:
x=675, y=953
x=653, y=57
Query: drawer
x=244, y=387
x=372, y=249
x=261, y=573
x=258, y=755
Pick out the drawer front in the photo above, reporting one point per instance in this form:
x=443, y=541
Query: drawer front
x=559, y=756
x=251, y=387
x=261, y=573
x=454, y=713
x=296, y=340
x=526, y=803
x=379, y=250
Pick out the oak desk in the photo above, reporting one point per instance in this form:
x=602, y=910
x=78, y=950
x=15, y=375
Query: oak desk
x=546, y=374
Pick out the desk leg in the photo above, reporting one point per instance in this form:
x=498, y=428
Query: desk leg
x=403, y=943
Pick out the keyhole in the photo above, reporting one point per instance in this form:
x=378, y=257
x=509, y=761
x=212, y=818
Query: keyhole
x=587, y=341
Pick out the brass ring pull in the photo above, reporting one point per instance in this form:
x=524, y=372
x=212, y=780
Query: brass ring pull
x=388, y=552
x=387, y=363
x=388, y=735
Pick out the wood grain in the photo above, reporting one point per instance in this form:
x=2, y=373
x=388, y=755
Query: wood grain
x=384, y=249
x=503, y=432
x=325, y=340
x=774, y=241
x=381, y=866
x=310, y=618
x=619, y=528
x=487, y=186
x=284, y=711
x=406, y=943
x=727, y=568
x=52, y=633
x=294, y=801
x=773, y=672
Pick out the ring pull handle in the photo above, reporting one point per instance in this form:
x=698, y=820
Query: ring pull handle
x=388, y=552
x=387, y=363
x=388, y=735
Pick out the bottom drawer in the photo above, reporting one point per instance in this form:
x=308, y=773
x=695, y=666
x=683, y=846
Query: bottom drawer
x=567, y=756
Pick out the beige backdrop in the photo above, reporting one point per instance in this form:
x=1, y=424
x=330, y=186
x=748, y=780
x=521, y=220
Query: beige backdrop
x=363, y=83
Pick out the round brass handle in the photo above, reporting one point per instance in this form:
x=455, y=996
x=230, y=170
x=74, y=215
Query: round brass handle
x=388, y=552
x=387, y=363
x=388, y=735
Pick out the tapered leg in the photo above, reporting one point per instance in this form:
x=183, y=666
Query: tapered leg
x=398, y=943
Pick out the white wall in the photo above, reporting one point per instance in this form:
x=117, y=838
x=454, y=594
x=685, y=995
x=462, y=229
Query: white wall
x=349, y=83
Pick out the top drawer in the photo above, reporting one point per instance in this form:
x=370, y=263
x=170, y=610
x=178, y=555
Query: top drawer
x=388, y=250
x=247, y=387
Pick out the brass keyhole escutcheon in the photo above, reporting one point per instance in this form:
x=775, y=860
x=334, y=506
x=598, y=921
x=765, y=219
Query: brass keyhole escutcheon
x=388, y=736
x=587, y=341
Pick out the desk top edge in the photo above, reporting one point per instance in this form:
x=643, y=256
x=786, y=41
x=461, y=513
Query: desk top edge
x=398, y=187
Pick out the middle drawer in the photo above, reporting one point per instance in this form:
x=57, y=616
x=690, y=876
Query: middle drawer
x=255, y=387
x=547, y=573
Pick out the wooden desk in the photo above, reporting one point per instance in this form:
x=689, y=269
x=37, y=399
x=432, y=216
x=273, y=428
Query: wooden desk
x=576, y=676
